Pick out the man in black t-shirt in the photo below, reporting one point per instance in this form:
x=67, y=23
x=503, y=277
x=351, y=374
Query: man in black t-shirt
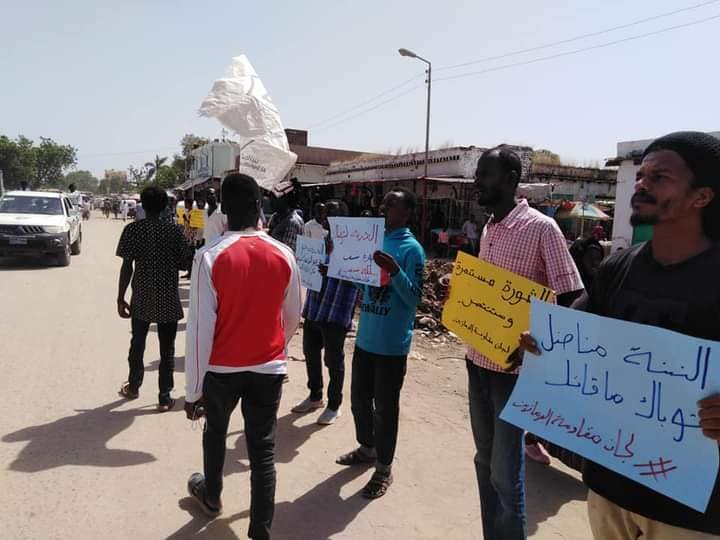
x=670, y=282
x=158, y=250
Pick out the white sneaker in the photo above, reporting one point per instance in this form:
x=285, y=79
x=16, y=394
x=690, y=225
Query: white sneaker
x=328, y=417
x=307, y=405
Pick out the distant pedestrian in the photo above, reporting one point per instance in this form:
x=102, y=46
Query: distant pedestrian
x=215, y=220
x=470, y=231
x=315, y=228
x=153, y=251
x=387, y=320
x=286, y=224
x=328, y=317
x=244, y=309
x=124, y=206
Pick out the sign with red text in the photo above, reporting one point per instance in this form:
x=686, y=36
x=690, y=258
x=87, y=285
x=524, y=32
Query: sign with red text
x=355, y=240
x=623, y=395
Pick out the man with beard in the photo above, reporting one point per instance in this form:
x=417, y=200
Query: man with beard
x=528, y=243
x=387, y=319
x=669, y=282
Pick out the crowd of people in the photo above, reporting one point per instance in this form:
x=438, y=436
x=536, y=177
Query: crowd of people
x=238, y=332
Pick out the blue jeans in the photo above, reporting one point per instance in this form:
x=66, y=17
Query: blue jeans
x=499, y=461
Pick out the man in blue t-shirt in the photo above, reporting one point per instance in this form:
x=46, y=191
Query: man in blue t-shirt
x=387, y=319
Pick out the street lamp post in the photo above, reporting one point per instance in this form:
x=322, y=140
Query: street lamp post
x=410, y=54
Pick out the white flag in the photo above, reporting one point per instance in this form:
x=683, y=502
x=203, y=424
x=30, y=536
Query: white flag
x=241, y=103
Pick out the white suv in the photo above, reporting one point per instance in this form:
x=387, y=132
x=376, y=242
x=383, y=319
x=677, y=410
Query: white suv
x=39, y=223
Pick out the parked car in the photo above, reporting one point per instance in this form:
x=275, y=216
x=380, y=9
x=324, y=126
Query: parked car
x=38, y=223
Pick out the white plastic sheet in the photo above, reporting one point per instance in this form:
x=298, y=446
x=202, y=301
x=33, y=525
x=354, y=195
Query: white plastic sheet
x=241, y=103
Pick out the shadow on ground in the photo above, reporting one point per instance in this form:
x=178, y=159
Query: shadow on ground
x=13, y=264
x=179, y=366
x=547, y=490
x=80, y=439
x=316, y=515
x=288, y=440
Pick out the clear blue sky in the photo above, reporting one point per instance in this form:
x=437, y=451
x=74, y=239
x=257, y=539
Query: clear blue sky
x=122, y=80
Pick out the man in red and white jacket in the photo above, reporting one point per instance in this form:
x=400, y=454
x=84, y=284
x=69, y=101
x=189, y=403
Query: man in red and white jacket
x=244, y=309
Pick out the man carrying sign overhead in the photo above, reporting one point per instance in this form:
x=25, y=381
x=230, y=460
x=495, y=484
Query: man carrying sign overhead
x=530, y=244
x=670, y=282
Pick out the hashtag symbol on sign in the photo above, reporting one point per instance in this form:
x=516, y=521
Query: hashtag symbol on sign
x=656, y=468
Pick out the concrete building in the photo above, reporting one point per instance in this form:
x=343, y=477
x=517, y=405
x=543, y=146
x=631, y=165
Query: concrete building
x=212, y=161
x=629, y=156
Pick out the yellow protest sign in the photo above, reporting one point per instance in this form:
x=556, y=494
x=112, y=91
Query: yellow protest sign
x=489, y=307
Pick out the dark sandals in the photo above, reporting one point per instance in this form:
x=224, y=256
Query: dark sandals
x=356, y=457
x=378, y=485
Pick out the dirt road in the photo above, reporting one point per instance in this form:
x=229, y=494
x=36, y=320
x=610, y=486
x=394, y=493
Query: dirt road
x=76, y=461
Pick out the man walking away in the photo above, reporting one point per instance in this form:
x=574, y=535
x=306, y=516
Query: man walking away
x=157, y=250
x=387, y=319
x=244, y=309
x=328, y=316
x=669, y=282
x=315, y=228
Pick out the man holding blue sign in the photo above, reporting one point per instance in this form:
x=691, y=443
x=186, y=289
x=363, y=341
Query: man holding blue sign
x=670, y=282
x=384, y=336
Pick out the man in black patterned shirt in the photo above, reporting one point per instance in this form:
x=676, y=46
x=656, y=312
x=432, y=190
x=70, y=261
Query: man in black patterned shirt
x=158, y=250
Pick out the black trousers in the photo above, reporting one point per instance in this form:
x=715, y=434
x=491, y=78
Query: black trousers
x=375, y=396
x=166, y=335
x=331, y=337
x=259, y=397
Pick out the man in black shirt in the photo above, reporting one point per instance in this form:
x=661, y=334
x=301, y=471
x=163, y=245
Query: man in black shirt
x=159, y=250
x=670, y=282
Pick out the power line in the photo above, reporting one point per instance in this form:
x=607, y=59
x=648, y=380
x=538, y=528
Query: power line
x=128, y=153
x=578, y=38
x=577, y=51
x=368, y=101
x=361, y=113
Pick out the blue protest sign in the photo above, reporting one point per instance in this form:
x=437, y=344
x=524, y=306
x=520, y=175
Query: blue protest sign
x=623, y=395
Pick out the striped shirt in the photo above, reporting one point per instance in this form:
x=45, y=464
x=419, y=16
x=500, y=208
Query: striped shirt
x=530, y=244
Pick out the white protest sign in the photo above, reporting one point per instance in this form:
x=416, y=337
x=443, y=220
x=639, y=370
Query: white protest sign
x=355, y=240
x=310, y=254
x=623, y=395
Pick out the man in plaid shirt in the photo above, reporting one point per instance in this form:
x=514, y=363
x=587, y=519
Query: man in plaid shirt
x=525, y=242
x=286, y=224
x=328, y=316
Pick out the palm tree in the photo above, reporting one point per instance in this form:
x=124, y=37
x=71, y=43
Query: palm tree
x=152, y=167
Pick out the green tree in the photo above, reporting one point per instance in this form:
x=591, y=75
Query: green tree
x=153, y=167
x=166, y=177
x=83, y=180
x=17, y=161
x=51, y=162
x=114, y=182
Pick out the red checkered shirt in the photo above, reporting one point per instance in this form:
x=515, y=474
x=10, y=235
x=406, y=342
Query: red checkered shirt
x=529, y=244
